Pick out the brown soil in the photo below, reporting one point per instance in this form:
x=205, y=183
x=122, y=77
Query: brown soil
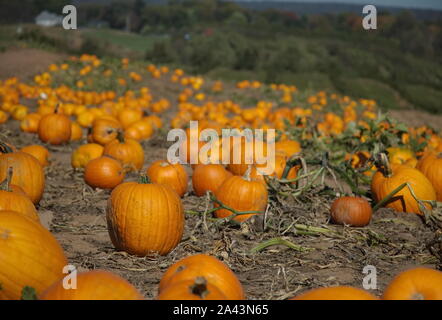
x=75, y=214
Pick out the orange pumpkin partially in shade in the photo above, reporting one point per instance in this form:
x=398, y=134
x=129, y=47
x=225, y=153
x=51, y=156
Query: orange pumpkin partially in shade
x=28, y=172
x=104, y=173
x=336, y=293
x=29, y=256
x=193, y=289
x=352, y=211
x=202, y=265
x=174, y=175
x=39, y=152
x=145, y=218
x=94, y=285
x=415, y=284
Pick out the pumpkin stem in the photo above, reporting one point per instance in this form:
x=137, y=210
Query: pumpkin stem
x=5, y=185
x=383, y=165
x=4, y=148
x=199, y=287
x=120, y=136
x=248, y=173
x=144, y=179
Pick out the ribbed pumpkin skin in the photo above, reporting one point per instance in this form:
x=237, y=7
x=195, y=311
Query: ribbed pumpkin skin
x=12, y=201
x=336, y=293
x=353, y=211
x=55, y=129
x=145, y=219
x=403, y=201
x=28, y=173
x=174, y=175
x=94, y=285
x=241, y=195
x=191, y=290
x=415, y=284
x=39, y=152
x=129, y=152
x=431, y=166
x=202, y=265
x=208, y=177
x=29, y=256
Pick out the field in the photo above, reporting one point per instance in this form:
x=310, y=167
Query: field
x=292, y=248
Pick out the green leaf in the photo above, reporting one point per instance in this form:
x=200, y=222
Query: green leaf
x=28, y=293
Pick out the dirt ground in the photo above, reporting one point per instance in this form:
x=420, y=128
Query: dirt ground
x=75, y=214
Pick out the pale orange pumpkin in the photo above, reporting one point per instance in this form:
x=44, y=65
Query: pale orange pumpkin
x=85, y=153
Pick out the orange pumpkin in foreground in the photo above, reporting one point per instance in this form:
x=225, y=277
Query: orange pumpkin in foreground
x=174, y=175
x=145, y=218
x=202, y=265
x=94, y=285
x=415, y=284
x=29, y=256
x=336, y=293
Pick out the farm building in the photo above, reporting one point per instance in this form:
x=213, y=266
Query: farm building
x=48, y=19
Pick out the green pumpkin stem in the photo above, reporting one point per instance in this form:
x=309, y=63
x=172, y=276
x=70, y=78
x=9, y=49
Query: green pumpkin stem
x=5, y=185
x=144, y=179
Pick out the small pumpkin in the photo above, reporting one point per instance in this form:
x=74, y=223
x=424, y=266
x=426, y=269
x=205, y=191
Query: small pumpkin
x=415, y=284
x=202, y=265
x=336, y=293
x=104, y=173
x=55, y=128
x=208, y=177
x=93, y=285
x=104, y=130
x=389, y=177
x=30, y=256
x=30, y=123
x=352, y=211
x=431, y=166
x=76, y=132
x=174, y=175
x=287, y=148
x=145, y=218
x=241, y=194
x=28, y=172
x=11, y=199
x=402, y=156
x=39, y=152
x=194, y=289
x=85, y=153
x=128, y=151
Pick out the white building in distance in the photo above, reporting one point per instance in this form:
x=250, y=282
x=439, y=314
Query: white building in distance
x=47, y=19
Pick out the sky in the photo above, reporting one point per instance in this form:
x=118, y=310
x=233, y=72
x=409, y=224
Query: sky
x=423, y=4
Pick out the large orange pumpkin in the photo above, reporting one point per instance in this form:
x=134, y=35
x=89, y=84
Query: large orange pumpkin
x=145, y=218
x=29, y=256
x=93, y=285
x=202, y=265
x=208, y=177
x=55, y=128
x=174, y=175
x=431, y=166
x=28, y=172
x=192, y=289
x=336, y=293
x=415, y=284
x=388, y=178
x=241, y=194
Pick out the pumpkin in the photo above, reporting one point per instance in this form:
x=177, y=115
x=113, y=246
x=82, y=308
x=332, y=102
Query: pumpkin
x=431, y=166
x=29, y=256
x=194, y=289
x=208, y=177
x=415, y=284
x=28, y=172
x=128, y=151
x=202, y=265
x=336, y=293
x=129, y=116
x=104, y=130
x=241, y=194
x=76, y=132
x=243, y=153
x=30, y=123
x=85, y=153
x=174, y=175
x=402, y=156
x=145, y=218
x=93, y=285
x=39, y=152
x=104, y=173
x=389, y=177
x=12, y=199
x=287, y=148
x=144, y=127
x=352, y=211
x=55, y=128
